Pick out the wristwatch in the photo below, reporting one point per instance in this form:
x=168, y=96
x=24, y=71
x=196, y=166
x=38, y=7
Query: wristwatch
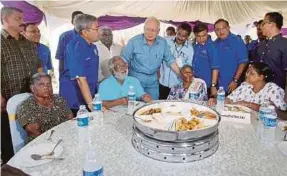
x=213, y=84
x=235, y=80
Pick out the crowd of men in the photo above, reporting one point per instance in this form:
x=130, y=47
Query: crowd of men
x=152, y=62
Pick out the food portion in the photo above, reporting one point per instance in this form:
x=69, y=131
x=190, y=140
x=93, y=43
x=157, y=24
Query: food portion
x=202, y=114
x=151, y=111
x=179, y=116
x=236, y=108
x=183, y=124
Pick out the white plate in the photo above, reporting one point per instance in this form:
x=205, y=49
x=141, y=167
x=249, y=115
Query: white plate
x=23, y=158
x=283, y=147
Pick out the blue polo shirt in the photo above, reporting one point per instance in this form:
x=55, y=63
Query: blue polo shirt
x=205, y=59
x=82, y=61
x=64, y=40
x=183, y=53
x=45, y=56
x=232, y=52
x=111, y=89
x=144, y=60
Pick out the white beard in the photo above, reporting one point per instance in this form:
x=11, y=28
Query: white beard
x=121, y=76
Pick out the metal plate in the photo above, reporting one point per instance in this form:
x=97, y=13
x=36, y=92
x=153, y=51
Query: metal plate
x=175, y=152
x=176, y=136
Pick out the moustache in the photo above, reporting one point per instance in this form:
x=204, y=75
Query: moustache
x=22, y=25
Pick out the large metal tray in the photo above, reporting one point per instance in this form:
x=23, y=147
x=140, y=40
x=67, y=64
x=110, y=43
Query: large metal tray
x=176, y=136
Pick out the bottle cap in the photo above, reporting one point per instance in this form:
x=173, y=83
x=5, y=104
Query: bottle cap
x=82, y=107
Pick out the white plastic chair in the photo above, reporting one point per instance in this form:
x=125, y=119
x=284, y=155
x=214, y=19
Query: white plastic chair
x=18, y=134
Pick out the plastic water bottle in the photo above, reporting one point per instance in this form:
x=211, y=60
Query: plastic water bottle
x=93, y=165
x=220, y=99
x=97, y=103
x=263, y=110
x=131, y=99
x=270, y=119
x=82, y=116
x=97, y=106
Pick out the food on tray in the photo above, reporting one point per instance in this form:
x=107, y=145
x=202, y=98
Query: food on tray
x=151, y=111
x=204, y=114
x=235, y=108
x=183, y=124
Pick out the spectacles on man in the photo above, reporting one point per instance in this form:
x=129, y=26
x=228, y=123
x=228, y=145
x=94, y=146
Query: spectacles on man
x=151, y=30
x=94, y=29
x=264, y=22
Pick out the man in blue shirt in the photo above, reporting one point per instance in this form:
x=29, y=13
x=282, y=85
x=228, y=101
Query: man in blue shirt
x=114, y=90
x=182, y=51
x=233, y=55
x=205, y=60
x=144, y=54
x=33, y=34
x=80, y=76
x=64, y=39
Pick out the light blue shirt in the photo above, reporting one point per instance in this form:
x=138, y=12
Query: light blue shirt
x=144, y=60
x=183, y=54
x=111, y=89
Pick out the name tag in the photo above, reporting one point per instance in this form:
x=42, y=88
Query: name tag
x=238, y=117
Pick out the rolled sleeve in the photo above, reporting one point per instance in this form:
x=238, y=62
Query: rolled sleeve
x=60, y=53
x=128, y=52
x=213, y=55
x=167, y=56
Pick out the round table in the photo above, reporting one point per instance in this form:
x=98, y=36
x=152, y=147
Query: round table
x=243, y=150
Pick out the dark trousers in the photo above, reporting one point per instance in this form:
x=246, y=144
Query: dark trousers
x=163, y=92
x=7, y=151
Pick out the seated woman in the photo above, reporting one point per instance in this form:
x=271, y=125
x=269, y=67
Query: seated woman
x=257, y=88
x=43, y=110
x=189, y=83
x=114, y=89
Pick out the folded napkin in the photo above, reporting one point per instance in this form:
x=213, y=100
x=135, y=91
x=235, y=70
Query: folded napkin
x=8, y=170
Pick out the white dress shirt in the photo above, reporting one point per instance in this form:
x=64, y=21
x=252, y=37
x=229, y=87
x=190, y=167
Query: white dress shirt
x=104, y=55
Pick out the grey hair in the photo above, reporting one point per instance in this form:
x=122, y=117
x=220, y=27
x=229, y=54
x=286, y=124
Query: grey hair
x=7, y=11
x=102, y=28
x=84, y=21
x=36, y=77
x=152, y=18
x=111, y=64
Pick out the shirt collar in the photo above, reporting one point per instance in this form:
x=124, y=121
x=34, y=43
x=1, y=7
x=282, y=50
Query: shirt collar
x=275, y=37
x=184, y=44
x=6, y=35
x=145, y=42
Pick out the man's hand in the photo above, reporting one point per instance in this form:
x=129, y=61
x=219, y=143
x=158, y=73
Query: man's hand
x=232, y=86
x=146, y=98
x=124, y=101
x=212, y=102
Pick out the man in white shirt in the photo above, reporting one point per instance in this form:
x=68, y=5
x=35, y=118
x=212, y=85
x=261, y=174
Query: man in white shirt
x=106, y=50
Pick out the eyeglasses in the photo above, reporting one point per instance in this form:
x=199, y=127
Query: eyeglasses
x=264, y=22
x=94, y=29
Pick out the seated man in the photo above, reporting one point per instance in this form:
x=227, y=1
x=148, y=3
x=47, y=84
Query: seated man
x=43, y=110
x=114, y=89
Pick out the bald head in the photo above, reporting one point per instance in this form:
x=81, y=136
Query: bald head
x=151, y=29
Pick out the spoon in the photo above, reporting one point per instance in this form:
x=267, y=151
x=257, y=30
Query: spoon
x=41, y=157
x=50, y=137
x=46, y=156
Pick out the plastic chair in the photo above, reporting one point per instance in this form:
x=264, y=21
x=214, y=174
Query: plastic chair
x=18, y=134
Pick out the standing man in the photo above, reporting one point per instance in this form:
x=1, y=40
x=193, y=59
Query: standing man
x=33, y=34
x=80, y=77
x=273, y=51
x=106, y=50
x=254, y=44
x=170, y=32
x=205, y=60
x=182, y=50
x=233, y=55
x=144, y=54
x=64, y=39
x=19, y=61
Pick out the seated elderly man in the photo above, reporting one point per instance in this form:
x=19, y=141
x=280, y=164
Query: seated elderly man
x=43, y=110
x=114, y=89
